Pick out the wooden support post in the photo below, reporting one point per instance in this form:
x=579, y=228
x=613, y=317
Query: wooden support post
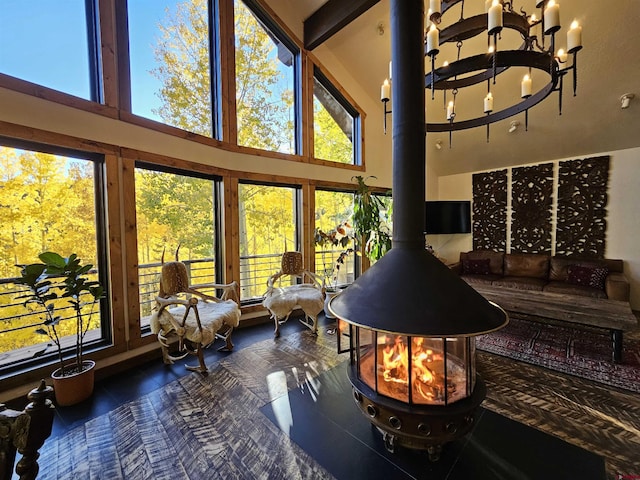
x=25, y=432
x=40, y=412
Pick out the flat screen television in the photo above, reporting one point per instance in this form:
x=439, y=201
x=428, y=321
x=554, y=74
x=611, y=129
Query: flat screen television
x=448, y=216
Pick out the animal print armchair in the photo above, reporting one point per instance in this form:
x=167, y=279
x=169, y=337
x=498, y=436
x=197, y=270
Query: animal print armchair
x=280, y=301
x=194, y=318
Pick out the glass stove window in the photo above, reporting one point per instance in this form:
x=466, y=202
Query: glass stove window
x=366, y=356
x=433, y=385
x=393, y=366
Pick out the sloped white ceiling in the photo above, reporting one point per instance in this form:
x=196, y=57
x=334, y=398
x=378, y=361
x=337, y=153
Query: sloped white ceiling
x=592, y=122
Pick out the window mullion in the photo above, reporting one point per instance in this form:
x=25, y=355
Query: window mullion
x=93, y=50
x=227, y=71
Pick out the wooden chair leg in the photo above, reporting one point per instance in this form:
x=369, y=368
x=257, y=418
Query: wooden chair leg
x=311, y=322
x=228, y=346
x=201, y=368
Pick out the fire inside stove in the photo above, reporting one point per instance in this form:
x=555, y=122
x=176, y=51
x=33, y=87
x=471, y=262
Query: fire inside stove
x=433, y=370
x=419, y=392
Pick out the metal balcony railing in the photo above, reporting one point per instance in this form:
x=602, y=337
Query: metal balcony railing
x=199, y=272
x=255, y=270
x=326, y=267
x=18, y=340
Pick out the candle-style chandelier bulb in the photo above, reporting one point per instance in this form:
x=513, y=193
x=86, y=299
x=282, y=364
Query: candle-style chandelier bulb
x=433, y=40
x=494, y=20
x=525, y=86
x=574, y=37
x=551, y=17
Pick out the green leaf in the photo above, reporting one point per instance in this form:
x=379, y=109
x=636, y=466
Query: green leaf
x=52, y=259
x=52, y=322
x=84, y=269
x=97, y=292
x=30, y=274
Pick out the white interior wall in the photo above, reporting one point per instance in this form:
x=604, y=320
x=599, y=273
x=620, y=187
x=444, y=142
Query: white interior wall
x=623, y=220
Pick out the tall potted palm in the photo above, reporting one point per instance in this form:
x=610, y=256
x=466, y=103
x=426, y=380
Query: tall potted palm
x=55, y=283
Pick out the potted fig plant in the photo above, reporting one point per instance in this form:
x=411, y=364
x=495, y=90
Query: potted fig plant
x=56, y=283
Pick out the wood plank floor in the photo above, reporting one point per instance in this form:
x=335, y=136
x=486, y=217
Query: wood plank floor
x=597, y=418
x=211, y=427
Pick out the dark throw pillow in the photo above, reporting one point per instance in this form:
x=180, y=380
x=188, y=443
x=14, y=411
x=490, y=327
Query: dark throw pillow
x=476, y=267
x=586, y=276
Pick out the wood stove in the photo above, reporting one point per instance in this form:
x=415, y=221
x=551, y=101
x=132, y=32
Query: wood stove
x=419, y=392
x=409, y=321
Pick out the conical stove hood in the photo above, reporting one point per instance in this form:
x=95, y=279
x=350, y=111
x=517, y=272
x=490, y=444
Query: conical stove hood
x=409, y=291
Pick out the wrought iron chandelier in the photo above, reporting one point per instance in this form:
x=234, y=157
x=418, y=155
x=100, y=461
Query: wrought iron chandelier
x=536, y=53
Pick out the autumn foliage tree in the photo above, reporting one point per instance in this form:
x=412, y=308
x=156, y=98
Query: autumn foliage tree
x=264, y=93
x=265, y=120
x=47, y=203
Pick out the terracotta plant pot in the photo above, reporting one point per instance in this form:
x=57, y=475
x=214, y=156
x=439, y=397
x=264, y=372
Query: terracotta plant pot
x=74, y=388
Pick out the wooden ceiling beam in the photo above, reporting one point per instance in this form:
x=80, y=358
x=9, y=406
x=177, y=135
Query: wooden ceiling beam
x=331, y=18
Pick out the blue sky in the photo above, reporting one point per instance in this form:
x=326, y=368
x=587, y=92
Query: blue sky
x=31, y=49
x=144, y=16
x=45, y=42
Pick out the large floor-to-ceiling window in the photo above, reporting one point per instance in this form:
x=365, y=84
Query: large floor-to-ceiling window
x=176, y=218
x=51, y=44
x=334, y=238
x=266, y=74
x=51, y=202
x=268, y=228
x=336, y=123
x=170, y=63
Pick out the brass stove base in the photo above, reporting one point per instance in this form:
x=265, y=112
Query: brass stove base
x=418, y=427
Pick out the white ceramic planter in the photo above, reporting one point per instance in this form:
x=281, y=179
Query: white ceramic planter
x=328, y=296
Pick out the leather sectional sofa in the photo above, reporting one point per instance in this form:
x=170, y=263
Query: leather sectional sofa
x=528, y=271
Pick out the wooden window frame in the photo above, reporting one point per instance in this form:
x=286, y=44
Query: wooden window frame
x=103, y=161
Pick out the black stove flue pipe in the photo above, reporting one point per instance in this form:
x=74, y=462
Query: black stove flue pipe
x=409, y=134
x=409, y=291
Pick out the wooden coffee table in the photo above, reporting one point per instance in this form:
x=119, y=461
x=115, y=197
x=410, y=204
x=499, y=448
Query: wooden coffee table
x=614, y=315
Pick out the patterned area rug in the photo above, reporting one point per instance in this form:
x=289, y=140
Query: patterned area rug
x=585, y=353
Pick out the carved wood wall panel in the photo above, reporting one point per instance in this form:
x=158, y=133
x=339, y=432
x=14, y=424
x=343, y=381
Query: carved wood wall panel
x=582, y=201
x=490, y=210
x=531, y=203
